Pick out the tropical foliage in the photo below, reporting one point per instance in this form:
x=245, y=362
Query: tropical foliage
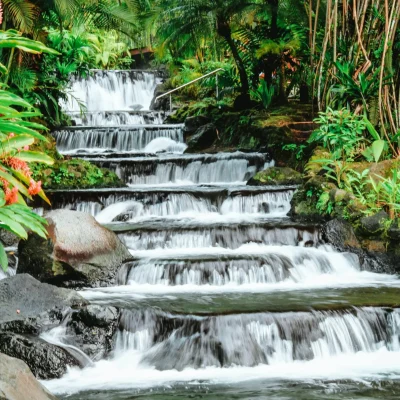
x=17, y=134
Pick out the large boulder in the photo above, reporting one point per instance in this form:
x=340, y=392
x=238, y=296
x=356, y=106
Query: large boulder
x=276, y=176
x=18, y=383
x=28, y=306
x=375, y=225
x=203, y=138
x=195, y=122
x=79, y=252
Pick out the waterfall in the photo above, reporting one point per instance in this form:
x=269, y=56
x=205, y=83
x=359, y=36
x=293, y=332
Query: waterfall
x=225, y=296
x=188, y=169
x=112, y=91
x=116, y=118
x=118, y=139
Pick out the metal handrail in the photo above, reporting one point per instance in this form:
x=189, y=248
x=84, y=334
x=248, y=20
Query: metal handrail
x=187, y=84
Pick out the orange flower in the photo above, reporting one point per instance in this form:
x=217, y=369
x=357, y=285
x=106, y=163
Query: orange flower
x=11, y=195
x=19, y=165
x=4, y=183
x=34, y=187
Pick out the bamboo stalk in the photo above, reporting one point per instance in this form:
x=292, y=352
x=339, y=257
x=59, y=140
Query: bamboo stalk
x=380, y=98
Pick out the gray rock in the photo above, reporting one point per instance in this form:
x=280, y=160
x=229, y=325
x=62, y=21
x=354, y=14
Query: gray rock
x=161, y=104
x=8, y=238
x=45, y=360
x=26, y=305
x=340, y=234
x=204, y=137
x=394, y=231
x=93, y=329
x=79, y=252
x=194, y=123
x=18, y=383
x=374, y=225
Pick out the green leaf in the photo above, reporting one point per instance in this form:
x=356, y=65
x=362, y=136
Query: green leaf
x=16, y=142
x=13, y=127
x=377, y=148
x=34, y=156
x=3, y=258
x=371, y=129
x=7, y=219
x=8, y=177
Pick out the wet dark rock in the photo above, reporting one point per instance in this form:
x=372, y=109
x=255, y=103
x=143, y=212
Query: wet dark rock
x=45, y=360
x=27, y=306
x=276, y=176
x=374, y=225
x=394, y=231
x=195, y=122
x=93, y=329
x=373, y=255
x=8, y=238
x=340, y=234
x=204, y=137
x=18, y=383
x=79, y=252
x=163, y=103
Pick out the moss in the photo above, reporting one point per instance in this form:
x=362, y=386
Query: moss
x=68, y=173
x=75, y=174
x=277, y=176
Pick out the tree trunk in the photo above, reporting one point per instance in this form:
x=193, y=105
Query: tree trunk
x=274, y=17
x=224, y=31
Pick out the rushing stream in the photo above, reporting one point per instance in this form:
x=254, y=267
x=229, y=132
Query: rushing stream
x=226, y=297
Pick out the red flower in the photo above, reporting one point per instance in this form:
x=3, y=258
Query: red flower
x=11, y=195
x=34, y=187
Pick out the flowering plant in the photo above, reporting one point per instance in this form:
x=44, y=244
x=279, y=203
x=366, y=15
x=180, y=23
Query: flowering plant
x=17, y=134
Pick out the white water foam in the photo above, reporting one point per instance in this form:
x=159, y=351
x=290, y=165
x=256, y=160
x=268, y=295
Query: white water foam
x=113, y=90
x=164, y=144
x=345, y=346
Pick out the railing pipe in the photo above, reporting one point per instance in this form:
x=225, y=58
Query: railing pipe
x=189, y=83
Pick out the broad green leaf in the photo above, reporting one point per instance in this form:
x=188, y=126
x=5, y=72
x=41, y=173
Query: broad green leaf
x=371, y=129
x=12, y=127
x=377, y=149
x=16, y=142
x=34, y=156
x=3, y=258
x=7, y=218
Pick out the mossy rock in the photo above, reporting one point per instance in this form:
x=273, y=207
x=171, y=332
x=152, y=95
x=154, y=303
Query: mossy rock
x=75, y=174
x=314, y=167
x=276, y=176
x=374, y=226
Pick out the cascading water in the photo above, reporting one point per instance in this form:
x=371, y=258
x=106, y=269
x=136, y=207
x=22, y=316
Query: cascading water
x=213, y=258
x=112, y=91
